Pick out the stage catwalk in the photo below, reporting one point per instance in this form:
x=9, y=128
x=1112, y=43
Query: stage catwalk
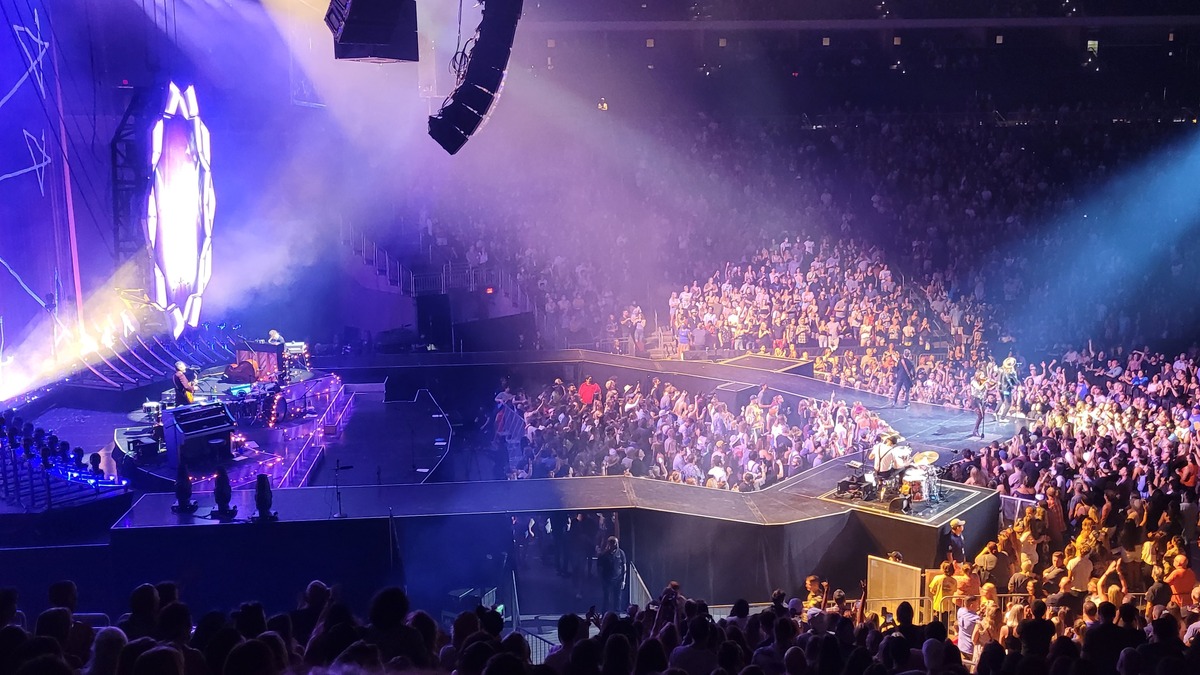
x=924, y=426
x=792, y=529
x=398, y=442
x=698, y=535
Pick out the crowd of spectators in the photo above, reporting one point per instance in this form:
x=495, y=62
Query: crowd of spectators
x=803, y=635
x=966, y=243
x=1104, y=518
x=971, y=247
x=817, y=632
x=160, y=636
x=1040, y=193
x=885, y=178
x=959, y=212
x=793, y=298
x=1107, y=457
x=864, y=237
x=838, y=304
x=660, y=431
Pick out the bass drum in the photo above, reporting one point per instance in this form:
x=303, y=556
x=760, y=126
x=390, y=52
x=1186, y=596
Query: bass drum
x=279, y=410
x=914, y=485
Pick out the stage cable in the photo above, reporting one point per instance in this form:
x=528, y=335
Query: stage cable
x=175, y=33
x=91, y=41
x=458, y=42
x=462, y=53
x=145, y=38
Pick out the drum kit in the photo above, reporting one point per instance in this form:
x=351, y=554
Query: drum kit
x=919, y=480
x=152, y=410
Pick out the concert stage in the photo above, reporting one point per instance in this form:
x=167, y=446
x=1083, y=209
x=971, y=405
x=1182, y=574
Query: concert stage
x=821, y=483
x=388, y=442
x=772, y=364
x=447, y=375
x=721, y=545
x=279, y=431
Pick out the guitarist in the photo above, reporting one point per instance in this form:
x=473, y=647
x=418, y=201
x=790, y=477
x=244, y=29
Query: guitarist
x=979, y=389
x=185, y=389
x=1008, y=386
x=903, y=372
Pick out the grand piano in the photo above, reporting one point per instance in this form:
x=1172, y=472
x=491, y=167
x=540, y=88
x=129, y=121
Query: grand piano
x=266, y=357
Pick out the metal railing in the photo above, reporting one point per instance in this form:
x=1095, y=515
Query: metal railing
x=398, y=276
x=639, y=593
x=329, y=425
x=1011, y=509
x=925, y=610
x=539, y=646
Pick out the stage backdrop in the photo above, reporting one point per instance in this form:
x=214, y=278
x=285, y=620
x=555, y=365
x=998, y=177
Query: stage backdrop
x=34, y=241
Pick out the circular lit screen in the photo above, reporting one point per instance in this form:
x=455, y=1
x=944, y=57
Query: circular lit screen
x=179, y=216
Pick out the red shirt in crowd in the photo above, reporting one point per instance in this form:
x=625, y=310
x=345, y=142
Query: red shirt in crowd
x=588, y=391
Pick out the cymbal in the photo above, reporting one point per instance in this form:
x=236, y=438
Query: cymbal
x=927, y=458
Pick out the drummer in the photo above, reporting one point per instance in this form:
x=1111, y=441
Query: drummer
x=888, y=458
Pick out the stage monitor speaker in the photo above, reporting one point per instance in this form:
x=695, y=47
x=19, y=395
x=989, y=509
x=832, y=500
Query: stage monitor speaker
x=145, y=449
x=471, y=102
x=736, y=395
x=379, y=31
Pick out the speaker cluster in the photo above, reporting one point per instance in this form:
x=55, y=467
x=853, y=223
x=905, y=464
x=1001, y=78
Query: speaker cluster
x=482, y=78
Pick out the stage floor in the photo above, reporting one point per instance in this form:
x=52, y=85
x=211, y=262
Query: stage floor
x=391, y=443
x=924, y=426
x=386, y=443
x=821, y=482
x=923, y=511
x=287, y=449
x=804, y=529
x=797, y=499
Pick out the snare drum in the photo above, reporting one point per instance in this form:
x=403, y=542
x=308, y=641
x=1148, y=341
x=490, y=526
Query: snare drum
x=913, y=485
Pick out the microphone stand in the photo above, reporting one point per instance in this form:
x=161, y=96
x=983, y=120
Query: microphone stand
x=337, y=486
x=983, y=410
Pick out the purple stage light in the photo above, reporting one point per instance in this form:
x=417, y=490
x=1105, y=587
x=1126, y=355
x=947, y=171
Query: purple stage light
x=179, y=217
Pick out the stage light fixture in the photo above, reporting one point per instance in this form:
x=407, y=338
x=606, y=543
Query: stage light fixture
x=184, y=503
x=481, y=80
x=222, y=495
x=263, y=500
